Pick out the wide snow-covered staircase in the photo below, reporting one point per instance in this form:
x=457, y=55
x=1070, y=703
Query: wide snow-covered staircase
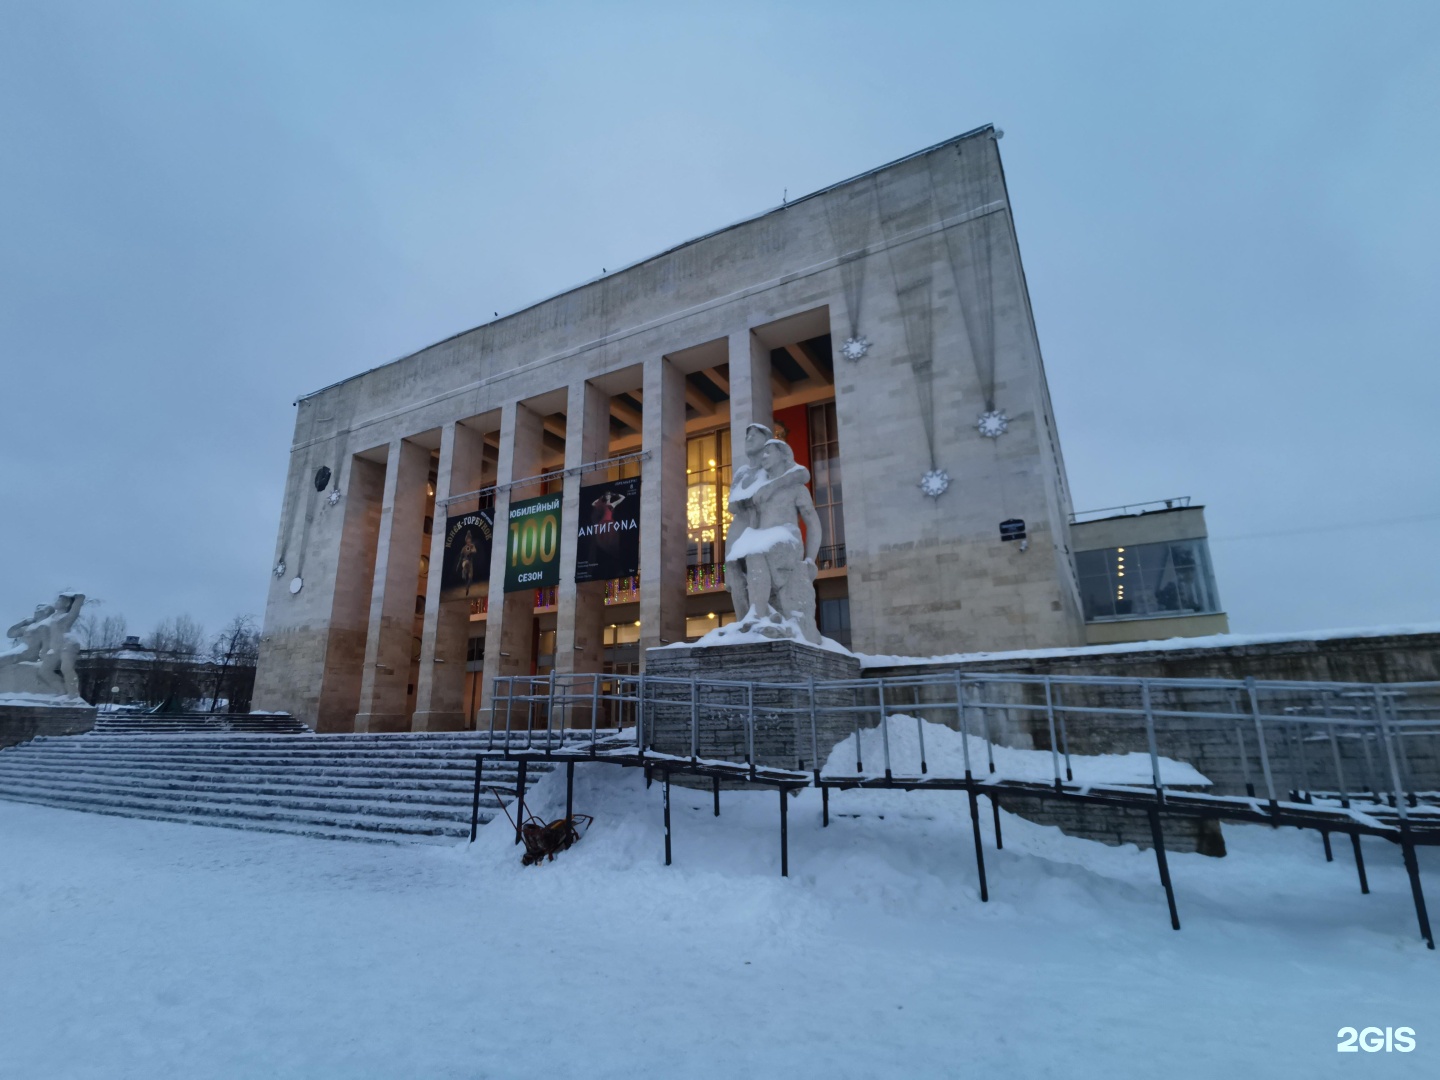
x=388, y=788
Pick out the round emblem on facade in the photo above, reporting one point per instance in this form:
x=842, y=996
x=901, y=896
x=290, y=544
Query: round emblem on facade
x=935, y=483
x=993, y=424
x=296, y=585
x=333, y=497
x=322, y=477
x=854, y=348
x=279, y=570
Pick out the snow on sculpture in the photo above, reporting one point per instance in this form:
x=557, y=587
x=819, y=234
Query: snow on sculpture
x=769, y=568
x=42, y=660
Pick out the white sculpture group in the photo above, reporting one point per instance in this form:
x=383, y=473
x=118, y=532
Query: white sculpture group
x=769, y=568
x=42, y=660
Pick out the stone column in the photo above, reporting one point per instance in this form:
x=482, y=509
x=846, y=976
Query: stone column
x=384, y=700
x=662, y=507
x=364, y=488
x=509, y=623
x=580, y=625
x=440, y=697
x=751, y=396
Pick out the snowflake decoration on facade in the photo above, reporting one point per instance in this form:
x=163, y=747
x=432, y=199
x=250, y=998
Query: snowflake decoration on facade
x=333, y=497
x=855, y=347
x=993, y=424
x=935, y=483
x=279, y=570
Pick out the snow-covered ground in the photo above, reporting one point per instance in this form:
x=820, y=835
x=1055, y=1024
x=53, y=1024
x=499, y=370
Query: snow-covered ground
x=140, y=949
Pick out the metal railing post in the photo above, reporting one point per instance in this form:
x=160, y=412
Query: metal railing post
x=694, y=719
x=1260, y=738
x=475, y=800
x=989, y=739
x=640, y=714
x=1150, y=739
x=550, y=714
x=594, y=710
x=750, y=727
x=884, y=725
x=855, y=697
x=964, y=723
x=1064, y=738
x=814, y=733
x=1050, y=721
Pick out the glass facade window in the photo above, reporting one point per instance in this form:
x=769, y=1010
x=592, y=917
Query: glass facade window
x=834, y=618
x=622, y=634
x=699, y=625
x=825, y=485
x=707, y=479
x=1147, y=581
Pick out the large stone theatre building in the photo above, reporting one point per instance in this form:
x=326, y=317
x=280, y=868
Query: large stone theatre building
x=881, y=325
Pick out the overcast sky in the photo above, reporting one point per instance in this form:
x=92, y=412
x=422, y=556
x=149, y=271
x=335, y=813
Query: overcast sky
x=1228, y=216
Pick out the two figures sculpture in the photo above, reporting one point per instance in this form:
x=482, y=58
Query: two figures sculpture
x=41, y=660
x=769, y=567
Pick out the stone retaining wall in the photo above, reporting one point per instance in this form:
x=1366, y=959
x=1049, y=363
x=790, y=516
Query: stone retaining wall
x=21, y=723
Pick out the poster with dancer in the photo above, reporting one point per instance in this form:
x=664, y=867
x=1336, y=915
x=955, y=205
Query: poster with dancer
x=468, y=540
x=608, y=540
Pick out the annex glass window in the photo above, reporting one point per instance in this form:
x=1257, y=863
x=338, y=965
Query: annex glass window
x=825, y=483
x=1147, y=581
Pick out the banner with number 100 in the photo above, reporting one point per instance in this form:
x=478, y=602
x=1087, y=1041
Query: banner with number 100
x=532, y=544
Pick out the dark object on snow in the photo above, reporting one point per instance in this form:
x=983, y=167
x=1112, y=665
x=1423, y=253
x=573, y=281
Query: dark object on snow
x=544, y=841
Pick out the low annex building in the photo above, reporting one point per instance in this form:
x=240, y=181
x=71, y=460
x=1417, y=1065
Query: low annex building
x=546, y=492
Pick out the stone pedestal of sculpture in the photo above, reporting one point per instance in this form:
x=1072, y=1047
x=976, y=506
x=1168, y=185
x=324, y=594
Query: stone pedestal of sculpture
x=39, y=688
x=782, y=737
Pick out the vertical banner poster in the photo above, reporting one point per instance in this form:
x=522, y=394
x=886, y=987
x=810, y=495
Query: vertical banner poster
x=532, y=544
x=608, y=541
x=468, y=539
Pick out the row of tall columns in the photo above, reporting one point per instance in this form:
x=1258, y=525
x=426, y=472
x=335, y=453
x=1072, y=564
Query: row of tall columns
x=579, y=647
x=440, y=694
x=510, y=621
x=751, y=395
x=385, y=679
x=364, y=487
x=663, y=522
x=580, y=608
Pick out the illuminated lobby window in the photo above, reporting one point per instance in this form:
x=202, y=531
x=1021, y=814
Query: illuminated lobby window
x=707, y=479
x=825, y=482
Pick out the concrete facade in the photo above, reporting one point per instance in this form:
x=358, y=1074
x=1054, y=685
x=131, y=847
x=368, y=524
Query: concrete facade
x=919, y=257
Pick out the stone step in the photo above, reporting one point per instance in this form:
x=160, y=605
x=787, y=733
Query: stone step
x=257, y=752
x=445, y=795
x=396, y=772
x=217, y=723
x=273, y=825
x=203, y=801
x=260, y=755
x=417, y=786
x=287, y=743
x=359, y=779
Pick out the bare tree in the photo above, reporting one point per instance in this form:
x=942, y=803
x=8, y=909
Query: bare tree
x=172, y=679
x=235, y=647
x=97, y=632
x=180, y=636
